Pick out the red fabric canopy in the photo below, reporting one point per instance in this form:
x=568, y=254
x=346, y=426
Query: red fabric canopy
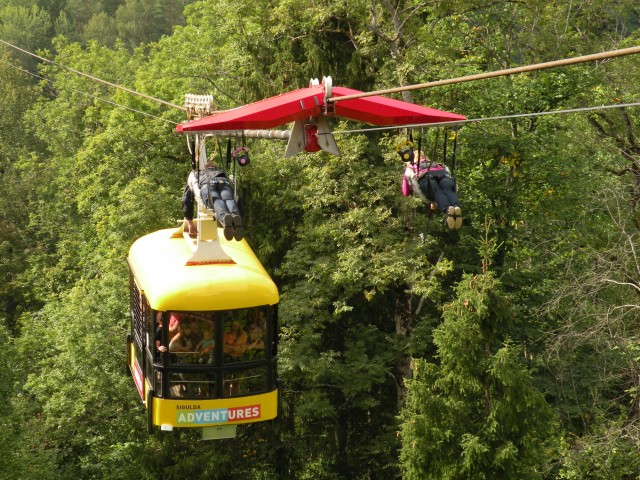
x=268, y=113
x=309, y=102
x=379, y=110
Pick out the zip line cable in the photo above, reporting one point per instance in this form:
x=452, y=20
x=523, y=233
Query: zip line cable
x=128, y=90
x=500, y=117
x=497, y=73
x=89, y=94
x=468, y=78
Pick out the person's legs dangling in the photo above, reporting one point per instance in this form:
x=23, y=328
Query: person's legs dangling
x=226, y=194
x=214, y=199
x=448, y=187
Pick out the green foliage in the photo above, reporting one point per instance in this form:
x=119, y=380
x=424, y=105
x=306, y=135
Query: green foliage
x=140, y=22
x=475, y=412
x=15, y=98
x=25, y=26
x=536, y=325
x=337, y=346
x=605, y=453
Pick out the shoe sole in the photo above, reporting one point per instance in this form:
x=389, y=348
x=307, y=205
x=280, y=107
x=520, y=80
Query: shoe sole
x=451, y=222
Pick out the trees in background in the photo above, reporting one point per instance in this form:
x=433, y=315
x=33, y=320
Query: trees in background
x=474, y=410
x=519, y=357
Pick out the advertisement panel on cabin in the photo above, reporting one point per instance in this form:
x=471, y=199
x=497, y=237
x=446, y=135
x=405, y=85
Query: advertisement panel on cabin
x=194, y=415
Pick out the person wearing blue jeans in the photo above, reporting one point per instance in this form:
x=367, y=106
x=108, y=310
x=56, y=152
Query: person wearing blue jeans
x=433, y=183
x=217, y=195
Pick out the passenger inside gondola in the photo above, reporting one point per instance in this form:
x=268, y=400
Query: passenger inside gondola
x=181, y=343
x=195, y=330
x=235, y=340
x=205, y=347
x=174, y=322
x=255, y=336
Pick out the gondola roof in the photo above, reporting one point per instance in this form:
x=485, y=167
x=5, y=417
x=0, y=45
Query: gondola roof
x=159, y=264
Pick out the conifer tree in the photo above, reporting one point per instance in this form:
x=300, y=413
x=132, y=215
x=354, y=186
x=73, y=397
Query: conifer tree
x=473, y=411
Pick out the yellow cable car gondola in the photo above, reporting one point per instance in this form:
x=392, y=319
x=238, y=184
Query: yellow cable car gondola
x=202, y=347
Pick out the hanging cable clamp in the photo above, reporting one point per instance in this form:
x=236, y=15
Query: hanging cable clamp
x=198, y=106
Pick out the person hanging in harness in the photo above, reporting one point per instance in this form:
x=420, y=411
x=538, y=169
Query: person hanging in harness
x=217, y=195
x=432, y=182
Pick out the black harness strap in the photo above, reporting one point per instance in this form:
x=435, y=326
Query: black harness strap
x=192, y=151
x=228, y=153
x=444, y=147
x=235, y=197
x=219, y=150
x=429, y=190
x=455, y=150
x=413, y=158
x=435, y=147
x=428, y=178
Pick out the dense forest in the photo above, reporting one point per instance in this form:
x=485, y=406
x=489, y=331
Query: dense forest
x=507, y=349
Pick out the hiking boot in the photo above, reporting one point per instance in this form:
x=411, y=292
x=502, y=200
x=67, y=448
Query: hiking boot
x=451, y=222
x=238, y=232
x=457, y=213
x=227, y=222
x=236, y=219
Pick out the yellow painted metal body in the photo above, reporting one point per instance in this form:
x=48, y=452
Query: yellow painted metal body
x=201, y=413
x=158, y=262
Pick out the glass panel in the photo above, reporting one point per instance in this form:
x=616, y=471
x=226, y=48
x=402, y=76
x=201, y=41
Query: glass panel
x=149, y=328
x=192, y=385
x=256, y=335
x=244, y=382
x=244, y=335
x=192, y=338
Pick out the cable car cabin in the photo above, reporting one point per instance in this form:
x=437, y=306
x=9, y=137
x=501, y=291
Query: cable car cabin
x=202, y=347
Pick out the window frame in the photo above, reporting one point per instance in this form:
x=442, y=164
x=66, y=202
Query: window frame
x=221, y=369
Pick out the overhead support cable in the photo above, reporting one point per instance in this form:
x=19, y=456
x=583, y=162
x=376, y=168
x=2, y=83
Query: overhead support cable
x=498, y=73
x=95, y=79
x=500, y=117
x=284, y=134
x=111, y=102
